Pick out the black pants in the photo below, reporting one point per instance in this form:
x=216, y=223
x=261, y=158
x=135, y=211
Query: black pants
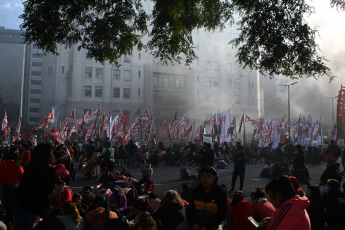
x=235, y=174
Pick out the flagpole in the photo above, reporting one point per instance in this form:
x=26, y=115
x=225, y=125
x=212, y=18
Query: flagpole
x=244, y=129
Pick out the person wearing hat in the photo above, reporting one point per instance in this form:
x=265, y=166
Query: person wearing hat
x=334, y=209
x=208, y=206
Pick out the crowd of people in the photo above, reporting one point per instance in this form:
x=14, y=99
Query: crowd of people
x=35, y=192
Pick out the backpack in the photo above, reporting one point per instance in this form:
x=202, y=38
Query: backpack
x=60, y=170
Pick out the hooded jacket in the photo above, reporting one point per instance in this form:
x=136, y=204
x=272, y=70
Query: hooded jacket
x=292, y=214
x=207, y=209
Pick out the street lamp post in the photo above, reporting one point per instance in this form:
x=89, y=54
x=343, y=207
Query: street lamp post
x=288, y=85
x=332, y=109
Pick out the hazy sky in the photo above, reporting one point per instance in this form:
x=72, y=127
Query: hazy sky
x=331, y=27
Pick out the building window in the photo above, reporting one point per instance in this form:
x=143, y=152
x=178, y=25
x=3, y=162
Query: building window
x=127, y=75
x=88, y=56
x=237, y=99
x=127, y=60
x=229, y=83
x=116, y=74
x=208, y=81
x=139, y=56
x=114, y=113
x=35, y=82
x=88, y=72
x=34, y=119
x=179, y=83
x=116, y=92
x=98, y=91
x=34, y=110
x=35, y=91
x=208, y=65
x=215, y=66
x=229, y=67
x=215, y=50
x=252, y=84
x=216, y=82
x=50, y=70
x=237, y=84
x=216, y=98
x=139, y=74
x=99, y=73
x=36, y=64
x=35, y=100
x=126, y=92
x=138, y=92
x=36, y=73
x=37, y=55
x=87, y=91
x=63, y=69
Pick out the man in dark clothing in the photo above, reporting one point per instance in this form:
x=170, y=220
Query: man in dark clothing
x=206, y=156
x=131, y=149
x=90, y=149
x=208, y=206
x=239, y=168
x=300, y=170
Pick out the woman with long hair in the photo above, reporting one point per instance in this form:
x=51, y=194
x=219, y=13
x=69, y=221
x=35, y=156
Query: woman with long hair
x=71, y=217
x=37, y=182
x=239, y=211
x=262, y=208
x=171, y=211
x=290, y=210
x=97, y=218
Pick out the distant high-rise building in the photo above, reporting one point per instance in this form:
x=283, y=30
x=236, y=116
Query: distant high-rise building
x=13, y=54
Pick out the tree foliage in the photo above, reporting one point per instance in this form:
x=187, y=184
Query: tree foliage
x=273, y=38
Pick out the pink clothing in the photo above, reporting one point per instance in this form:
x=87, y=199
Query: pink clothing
x=154, y=204
x=262, y=209
x=292, y=214
x=330, y=160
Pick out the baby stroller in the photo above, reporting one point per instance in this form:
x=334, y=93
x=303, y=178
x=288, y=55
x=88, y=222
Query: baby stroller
x=87, y=167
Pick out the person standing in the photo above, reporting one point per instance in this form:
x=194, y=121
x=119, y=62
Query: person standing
x=131, y=150
x=239, y=168
x=206, y=157
x=108, y=157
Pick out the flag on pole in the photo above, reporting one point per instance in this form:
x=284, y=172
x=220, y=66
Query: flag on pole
x=241, y=122
x=106, y=122
x=4, y=122
x=51, y=116
x=145, y=116
x=72, y=117
x=7, y=129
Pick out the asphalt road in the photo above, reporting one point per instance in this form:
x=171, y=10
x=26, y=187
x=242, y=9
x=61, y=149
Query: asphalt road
x=167, y=177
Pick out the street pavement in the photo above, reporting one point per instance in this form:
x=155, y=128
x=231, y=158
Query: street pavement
x=167, y=177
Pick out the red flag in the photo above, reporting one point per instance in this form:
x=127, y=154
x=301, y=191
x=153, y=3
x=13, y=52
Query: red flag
x=51, y=116
x=241, y=122
x=106, y=122
x=72, y=117
x=7, y=129
x=145, y=116
x=4, y=122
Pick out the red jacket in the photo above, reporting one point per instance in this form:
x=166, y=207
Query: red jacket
x=26, y=157
x=10, y=172
x=62, y=197
x=292, y=214
x=239, y=216
x=263, y=209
